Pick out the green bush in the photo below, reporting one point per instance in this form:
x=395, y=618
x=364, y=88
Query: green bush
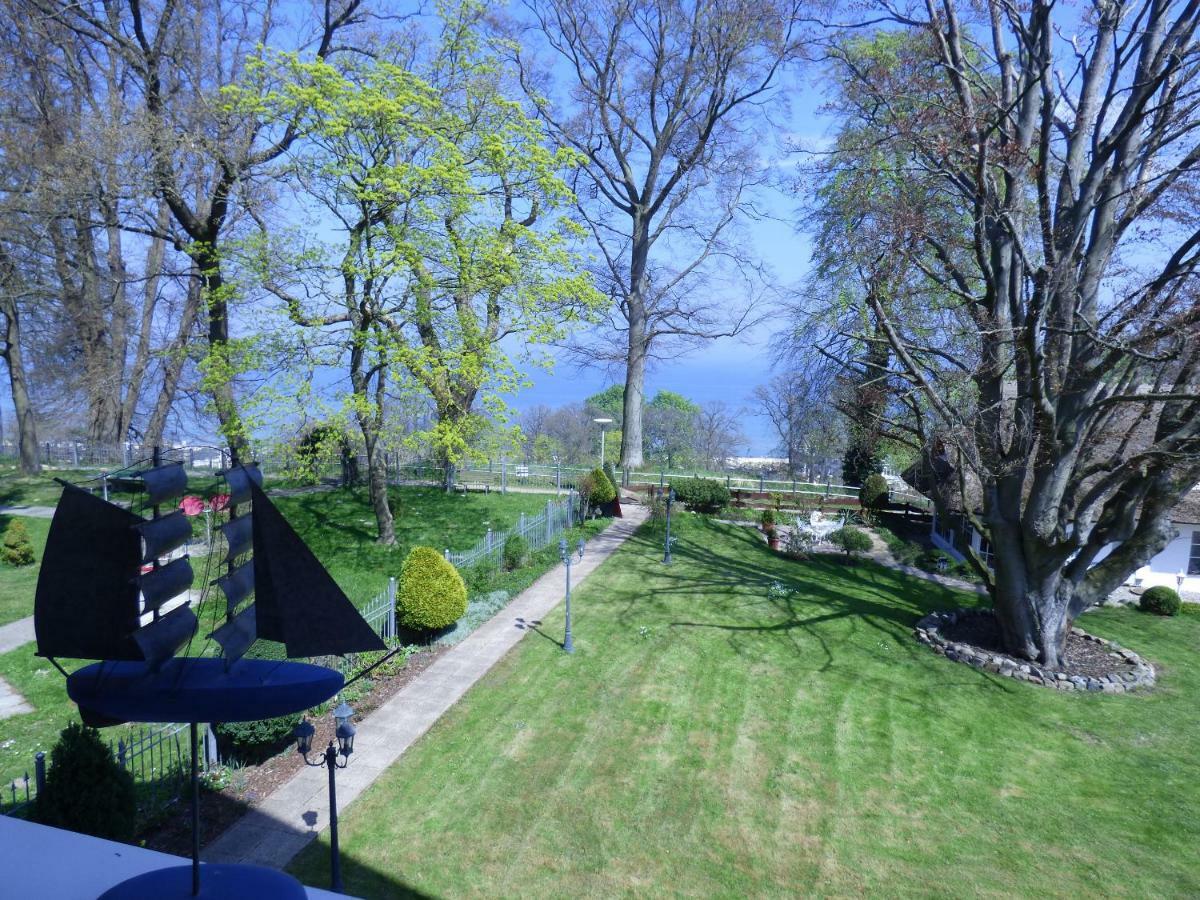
x=17, y=549
x=1160, y=600
x=873, y=494
x=600, y=489
x=86, y=789
x=432, y=593
x=852, y=540
x=255, y=741
x=701, y=494
x=515, y=550
x=767, y=519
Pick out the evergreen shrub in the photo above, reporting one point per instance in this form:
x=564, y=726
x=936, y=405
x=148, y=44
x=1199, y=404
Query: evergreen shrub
x=17, y=550
x=432, y=594
x=704, y=495
x=850, y=539
x=86, y=790
x=1160, y=600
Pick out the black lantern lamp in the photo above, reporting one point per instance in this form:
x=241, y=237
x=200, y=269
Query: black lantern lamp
x=329, y=759
x=345, y=731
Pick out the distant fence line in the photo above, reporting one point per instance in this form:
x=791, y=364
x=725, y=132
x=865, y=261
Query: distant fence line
x=537, y=531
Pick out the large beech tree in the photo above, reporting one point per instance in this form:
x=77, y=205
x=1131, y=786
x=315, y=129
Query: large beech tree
x=1066, y=392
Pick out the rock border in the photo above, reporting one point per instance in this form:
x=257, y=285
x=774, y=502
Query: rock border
x=928, y=632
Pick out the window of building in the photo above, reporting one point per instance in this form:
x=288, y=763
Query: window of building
x=1194, y=561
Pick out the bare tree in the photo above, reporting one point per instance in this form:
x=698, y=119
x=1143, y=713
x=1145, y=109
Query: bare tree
x=1064, y=396
x=800, y=405
x=717, y=433
x=664, y=97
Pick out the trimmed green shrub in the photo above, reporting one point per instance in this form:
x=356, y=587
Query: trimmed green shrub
x=767, y=519
x=432, y=594
x=600, y=489
x=852, y=540
x=1160, y=600
x=86, y=789
x=516, y=548
x=256, y=741
x=873, y=494
x=17, y=549
x=701, y=494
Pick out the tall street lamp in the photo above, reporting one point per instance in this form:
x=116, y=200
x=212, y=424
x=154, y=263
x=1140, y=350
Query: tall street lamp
x=602, y=422
x=565, y=555
x=329, y=759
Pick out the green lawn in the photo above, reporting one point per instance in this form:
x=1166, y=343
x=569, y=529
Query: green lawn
x=17, y=583
x=340, y=527
x=713, y=736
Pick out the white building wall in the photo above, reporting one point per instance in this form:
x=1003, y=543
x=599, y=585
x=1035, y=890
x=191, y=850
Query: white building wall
x=1167, y=565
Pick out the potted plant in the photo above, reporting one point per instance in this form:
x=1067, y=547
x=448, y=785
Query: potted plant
x=768, y=527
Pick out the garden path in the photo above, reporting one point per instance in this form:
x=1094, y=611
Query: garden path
x=274, y=832
x=33, y=512
x=11, y=703
x=16, y=634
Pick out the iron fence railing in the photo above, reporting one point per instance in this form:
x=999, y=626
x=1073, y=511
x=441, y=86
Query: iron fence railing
x=156, y=756
x=538, y=531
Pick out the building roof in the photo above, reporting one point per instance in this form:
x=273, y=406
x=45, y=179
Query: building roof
x=1188, y=510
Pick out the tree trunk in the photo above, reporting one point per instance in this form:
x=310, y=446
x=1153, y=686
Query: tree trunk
x=220, y=375
x=635, y=383
x=173, y=362
x=378, y=487
x=26, y=426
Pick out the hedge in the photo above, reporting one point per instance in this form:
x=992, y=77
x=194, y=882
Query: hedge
x=432, y=594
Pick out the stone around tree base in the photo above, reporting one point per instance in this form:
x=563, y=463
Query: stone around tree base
x=1130, y=671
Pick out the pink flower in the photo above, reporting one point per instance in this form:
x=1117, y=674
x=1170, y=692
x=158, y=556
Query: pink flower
x=219, y=502
x=191, y=505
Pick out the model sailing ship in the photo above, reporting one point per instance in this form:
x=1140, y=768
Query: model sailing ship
x=114, y=588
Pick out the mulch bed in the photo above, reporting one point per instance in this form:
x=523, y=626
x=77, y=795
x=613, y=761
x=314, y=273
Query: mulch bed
x=253, y=784
x=1080, y=656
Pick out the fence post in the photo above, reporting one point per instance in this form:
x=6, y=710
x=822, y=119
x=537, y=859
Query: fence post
x=558, y=476
x=75, y=454
x=447, y=554
x=489, y=538
x=761, y=489
x=727, y=485
x=521, y=527
x=504, y=476
x=39, y=771
x=793, y=489
x=570, y=509
x=549, y=522
x=392, y=605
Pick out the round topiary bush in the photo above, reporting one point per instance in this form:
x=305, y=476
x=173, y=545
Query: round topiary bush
x=852, y=540
x=86, y=789
x=432, y=594
x=516, y=548
x=873, y=494
x=1160, y=600
x=17, y=550
x=602, y=490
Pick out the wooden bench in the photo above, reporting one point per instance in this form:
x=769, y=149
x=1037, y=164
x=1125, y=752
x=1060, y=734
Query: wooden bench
x=463, y=487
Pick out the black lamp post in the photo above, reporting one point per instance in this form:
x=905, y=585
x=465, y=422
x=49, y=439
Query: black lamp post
x=667, y=549
x=329, y=759
x=565, y=555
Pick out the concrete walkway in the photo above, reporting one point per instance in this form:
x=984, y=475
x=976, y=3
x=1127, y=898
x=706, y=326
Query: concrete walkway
x=16, y=634
x=274, y=832
x=33, y=512
x=11, y=703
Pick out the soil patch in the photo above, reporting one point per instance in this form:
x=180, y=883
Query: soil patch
x=1090, y=663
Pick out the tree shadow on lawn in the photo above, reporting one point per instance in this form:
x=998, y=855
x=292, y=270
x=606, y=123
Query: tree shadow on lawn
x=360, y=878
x=879, y=598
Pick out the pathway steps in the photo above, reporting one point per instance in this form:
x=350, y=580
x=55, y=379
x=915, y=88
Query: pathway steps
x=274, y=832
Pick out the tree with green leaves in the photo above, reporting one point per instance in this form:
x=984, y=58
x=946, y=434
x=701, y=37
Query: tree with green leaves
x=454, y=238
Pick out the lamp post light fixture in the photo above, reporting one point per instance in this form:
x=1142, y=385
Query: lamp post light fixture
x=329, y=759
x=566, y=555
x=667, y=548
x=602, y=422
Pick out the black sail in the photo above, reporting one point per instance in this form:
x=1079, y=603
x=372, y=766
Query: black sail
x=236, y=635
x=87, y=593
x=164, y=483
x=239, y=480
x=163, y=535
x=297, y=602
x=238, y=537
x=237, y=585
x=164, y=584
